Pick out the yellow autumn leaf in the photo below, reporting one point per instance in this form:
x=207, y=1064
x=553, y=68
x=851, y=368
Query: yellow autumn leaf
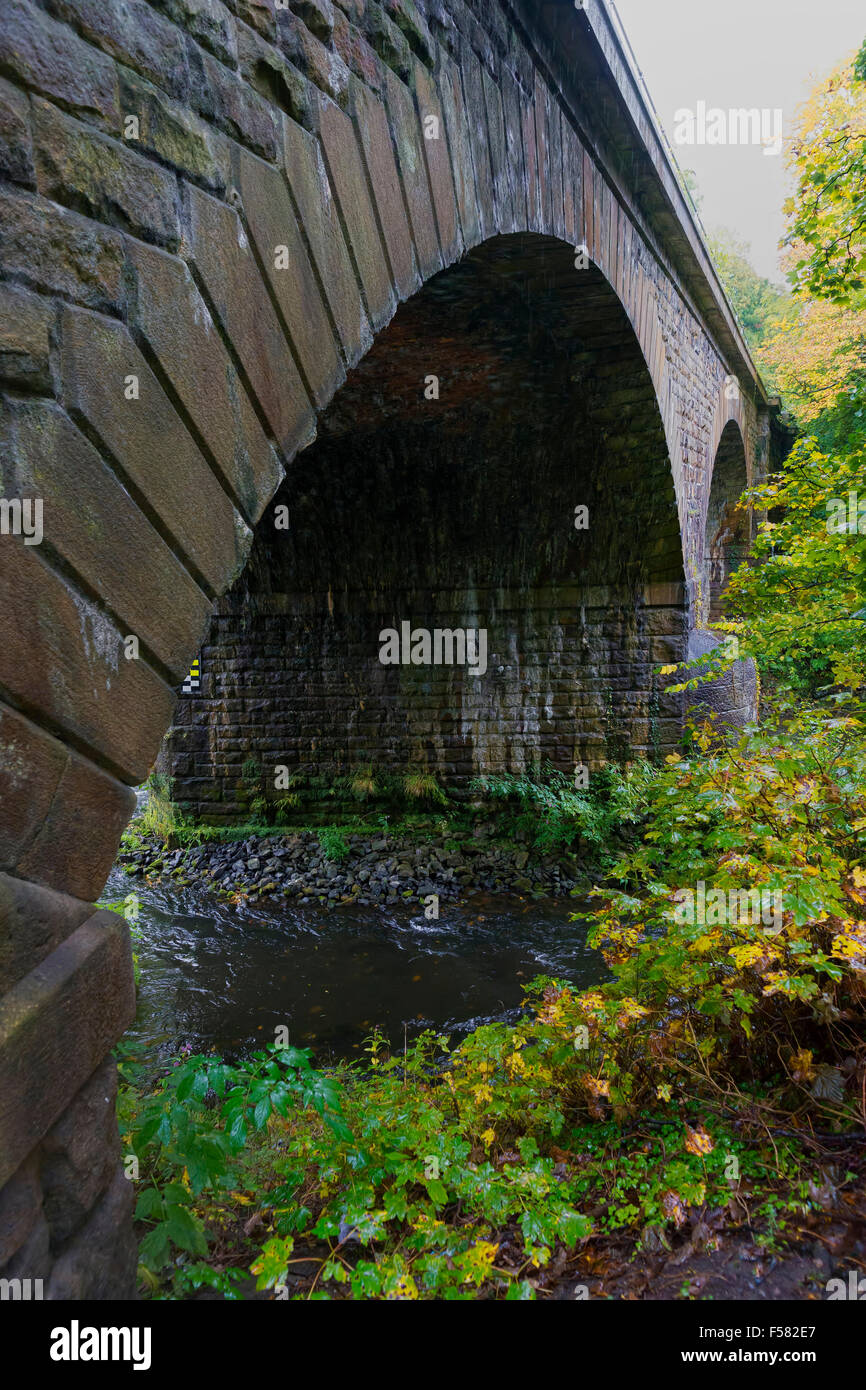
x=698, y=1141
x=801, y=1065
x=486, y=1252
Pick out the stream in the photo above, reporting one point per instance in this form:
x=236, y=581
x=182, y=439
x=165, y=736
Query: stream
x=223, y=977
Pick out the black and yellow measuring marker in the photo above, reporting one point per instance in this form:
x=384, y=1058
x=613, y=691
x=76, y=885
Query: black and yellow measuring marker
x=193, y=680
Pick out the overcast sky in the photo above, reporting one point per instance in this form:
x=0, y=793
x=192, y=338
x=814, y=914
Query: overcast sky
x=732, y=54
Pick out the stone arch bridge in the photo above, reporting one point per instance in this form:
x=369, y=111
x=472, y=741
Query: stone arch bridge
x=226, y=225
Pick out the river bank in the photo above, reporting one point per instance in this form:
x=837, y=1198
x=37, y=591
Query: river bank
x=377, y=869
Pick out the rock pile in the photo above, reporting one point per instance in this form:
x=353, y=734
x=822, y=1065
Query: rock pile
x=376, y=871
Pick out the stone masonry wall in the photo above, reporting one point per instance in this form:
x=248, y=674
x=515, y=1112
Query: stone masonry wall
x=570, y=683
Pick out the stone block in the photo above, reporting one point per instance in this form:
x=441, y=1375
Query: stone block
x=20, y=1209
x=51, y=59
x=353, y=9
x=270, y=73
x=56, y=1026
x=357, y=54
x=223, y=257
x=169, y=129
x=530, y=164
x=314, y=197
x=542, y=139
x=259, y=13
x=31, y=766
x=107, y=180
x=350, y=187
x=555, y=123
x=79, y=1154
x=435, y=145
x=59, y=855
x=101, y=1259
x=65, y=660
x=92, y=521
x=209, y=23
x=318, y=15
x=173, y=317
x=375, y=141
x=389, y=42
x=272, y=222
x=16, y=148
x=501, y=187
x=25, y=349
x=136, y=35
x=31, y=1261
x=33, y=921
x=479, y=138
x=322, y=66
x=174, y=481
x=408, y=18
x=241, y=111
x=409, y=141
x=515, y=168
x=58, y=252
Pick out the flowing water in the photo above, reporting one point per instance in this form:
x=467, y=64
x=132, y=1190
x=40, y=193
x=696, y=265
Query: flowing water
x=218, y=976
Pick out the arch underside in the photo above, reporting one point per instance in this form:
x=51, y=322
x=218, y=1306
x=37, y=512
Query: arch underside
x=496, y=462
x=728, y=530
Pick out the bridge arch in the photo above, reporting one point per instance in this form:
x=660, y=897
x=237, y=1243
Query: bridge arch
x=728, y=527
x=496, y=463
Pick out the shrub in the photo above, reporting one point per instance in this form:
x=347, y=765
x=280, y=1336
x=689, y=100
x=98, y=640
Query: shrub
x=423, y=786
x=557, y=815
x=333, y=843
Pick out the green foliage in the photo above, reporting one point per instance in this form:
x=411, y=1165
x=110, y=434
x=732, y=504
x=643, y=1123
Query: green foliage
x=333, y=843
x=776, y=1002
x=198, y=1119
x=423, y=786
x=756, y=301
x=363, y=785
x=828, y=211
x=799, y=609
x=159, y=816
x=637, y=1106
x=251, y=772
x=559, y=815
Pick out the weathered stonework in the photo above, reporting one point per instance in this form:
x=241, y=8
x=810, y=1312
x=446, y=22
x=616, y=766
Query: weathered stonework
x=457, y=512
x=159, y=379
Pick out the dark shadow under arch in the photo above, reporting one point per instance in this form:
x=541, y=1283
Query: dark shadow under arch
x=442, y=489
x=727, y=534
